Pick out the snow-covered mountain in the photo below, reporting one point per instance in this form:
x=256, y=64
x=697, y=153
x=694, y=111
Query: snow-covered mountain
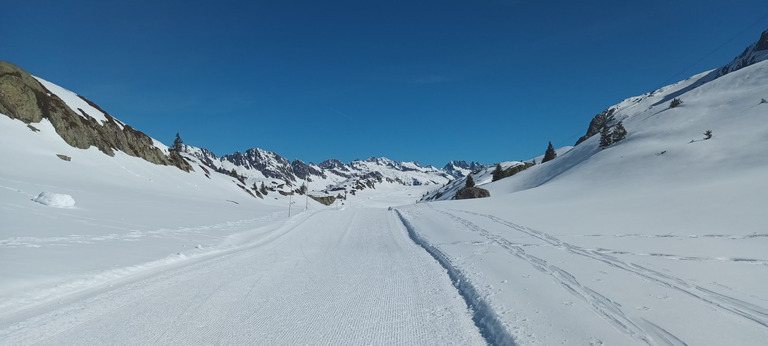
x=460, y=169
x=259, y=166
x=656, y=239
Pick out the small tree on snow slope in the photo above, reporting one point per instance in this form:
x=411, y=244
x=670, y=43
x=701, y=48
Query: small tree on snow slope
x=470, y=181
x=675, y=103
x=550, y=154
x=497, y=172
x=606, y=138
x=177, y=143
x=619, y=132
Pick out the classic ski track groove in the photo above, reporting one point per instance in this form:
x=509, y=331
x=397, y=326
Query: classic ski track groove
x=738, y=307
x=350, y=278
x=483, y=316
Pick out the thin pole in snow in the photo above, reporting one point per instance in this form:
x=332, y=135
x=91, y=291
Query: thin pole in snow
x=306, y=197
x=289, y=204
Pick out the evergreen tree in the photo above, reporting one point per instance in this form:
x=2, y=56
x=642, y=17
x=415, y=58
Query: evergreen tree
x=619, y=132
x=470, y=181
x=497, y=172
x=177, y=143
x=606, y=139
x=550, y=154
x=675, y=102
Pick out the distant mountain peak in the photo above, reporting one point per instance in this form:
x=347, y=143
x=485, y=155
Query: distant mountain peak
x=755, y=53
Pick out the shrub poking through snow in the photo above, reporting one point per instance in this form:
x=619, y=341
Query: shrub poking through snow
x=675, y=103
x=707, y=134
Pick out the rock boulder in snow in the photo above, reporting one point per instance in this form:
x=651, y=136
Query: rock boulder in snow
x=472, y=192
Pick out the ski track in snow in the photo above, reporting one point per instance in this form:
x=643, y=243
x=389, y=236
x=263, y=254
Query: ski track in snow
x=640, y=329
x=330, y=277
x=133, y=235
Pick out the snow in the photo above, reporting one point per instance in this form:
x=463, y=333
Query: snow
x=659, y=239
x=77, y=104
x=350, y=276
x=153, y=254
x=56, y=200
x=656, y=240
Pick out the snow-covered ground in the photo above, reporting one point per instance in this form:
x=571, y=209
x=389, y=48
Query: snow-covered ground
x=348, y=276
x=150, y=254
x=659, y=239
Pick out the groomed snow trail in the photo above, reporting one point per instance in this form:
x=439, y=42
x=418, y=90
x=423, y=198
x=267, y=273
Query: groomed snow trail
x=340, y=277
x=545, y=289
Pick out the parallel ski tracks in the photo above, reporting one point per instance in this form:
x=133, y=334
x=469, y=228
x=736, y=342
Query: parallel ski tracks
x=640, y=329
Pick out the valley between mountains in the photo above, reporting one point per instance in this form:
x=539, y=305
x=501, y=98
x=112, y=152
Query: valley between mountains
x=655, y=236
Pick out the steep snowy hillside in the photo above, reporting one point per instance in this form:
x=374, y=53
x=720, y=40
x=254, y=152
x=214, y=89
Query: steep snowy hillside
x=657, y=239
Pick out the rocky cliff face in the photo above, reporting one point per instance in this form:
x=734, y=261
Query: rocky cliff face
x=268, y=163
x=597, y=124
x=23, y=97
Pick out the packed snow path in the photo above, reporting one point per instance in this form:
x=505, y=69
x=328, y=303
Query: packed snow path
x=559, y=289
x=331, y=277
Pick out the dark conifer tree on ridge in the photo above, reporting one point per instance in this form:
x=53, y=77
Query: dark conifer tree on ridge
x=550, y=154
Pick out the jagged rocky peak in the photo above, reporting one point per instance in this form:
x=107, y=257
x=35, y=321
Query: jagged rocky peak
x=463, y=164
x=755, y=53
x=268, y=163
x=202, y=154
x=78, y=121
x=303, y=170
x=459, y=169
x=334, y=164
x=383, y=161
x=762, y=44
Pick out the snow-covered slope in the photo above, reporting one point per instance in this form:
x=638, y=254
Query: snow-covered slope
x=658, y=239
x=481, y=175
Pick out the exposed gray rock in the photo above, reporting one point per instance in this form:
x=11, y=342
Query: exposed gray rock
x=270, y=164
x=23, y=97
x=472, y=192
x=597, y=123
x=326, y=200
x=303, y=170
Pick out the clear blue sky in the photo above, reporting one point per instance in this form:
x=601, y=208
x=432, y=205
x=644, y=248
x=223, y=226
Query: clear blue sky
x=428, y=81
